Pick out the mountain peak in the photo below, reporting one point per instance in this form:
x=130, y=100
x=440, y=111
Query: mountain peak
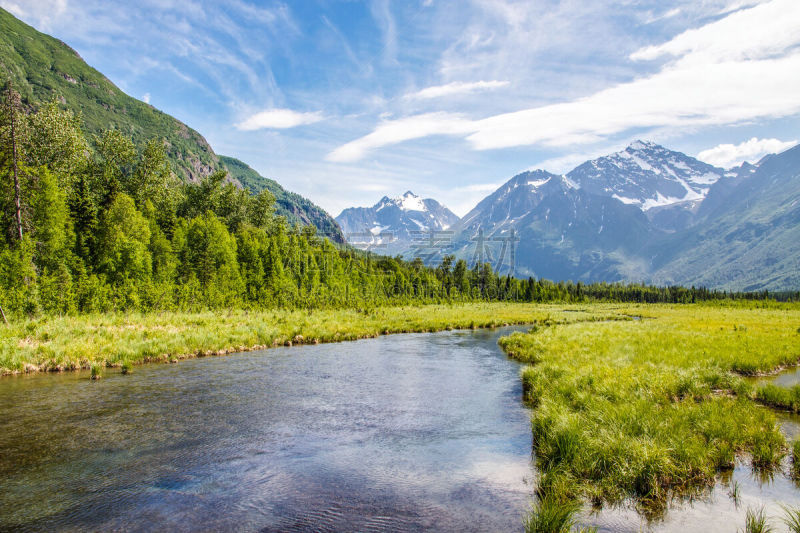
x=638, y=144
x=647, y=175
x=411, y=194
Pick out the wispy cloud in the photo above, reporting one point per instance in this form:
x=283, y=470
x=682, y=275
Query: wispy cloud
x=740, y=68
x=46, y=12
x=404, y=129
x=382, y=12
x=279, y=119
x=456, y=87
x=729, y=155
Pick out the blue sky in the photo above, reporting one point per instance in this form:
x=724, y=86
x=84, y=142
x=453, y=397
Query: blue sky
x=347, y=101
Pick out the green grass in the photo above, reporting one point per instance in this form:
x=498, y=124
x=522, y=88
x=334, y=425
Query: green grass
x=550, y=515
x=779, y=397
x=655, y=408
x=791, y=518
x=756, y=521
x=73, y=342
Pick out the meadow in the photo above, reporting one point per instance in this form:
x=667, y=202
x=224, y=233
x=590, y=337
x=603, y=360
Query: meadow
x=127, y=339
x=654, y=408
x=631, y=403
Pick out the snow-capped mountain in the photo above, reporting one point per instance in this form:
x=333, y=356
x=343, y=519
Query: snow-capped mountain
x=394, y=223
x=647, y=175
x=554, y=229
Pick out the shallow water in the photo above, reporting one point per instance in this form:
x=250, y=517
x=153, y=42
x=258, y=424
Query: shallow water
x=404, y=432
x=716, y=510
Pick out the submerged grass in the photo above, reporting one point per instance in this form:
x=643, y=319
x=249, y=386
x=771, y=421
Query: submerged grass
x=655, y=408
x=67, y=343
x=551, y=515
x=756, y=521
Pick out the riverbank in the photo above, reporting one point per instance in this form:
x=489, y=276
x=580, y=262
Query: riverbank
x=654, y=409
x=116, y=340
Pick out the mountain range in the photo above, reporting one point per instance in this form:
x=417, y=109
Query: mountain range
x=645, y=213
x=395, y=224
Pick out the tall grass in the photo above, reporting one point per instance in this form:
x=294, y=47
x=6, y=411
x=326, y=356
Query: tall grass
x=653, y=409
x=550, y=515
x=755, y=521
x=791, y=517
x=780, y=397
x=71, y=342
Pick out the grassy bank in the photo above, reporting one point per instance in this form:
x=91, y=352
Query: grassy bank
x=64, y=343
x=653, y=408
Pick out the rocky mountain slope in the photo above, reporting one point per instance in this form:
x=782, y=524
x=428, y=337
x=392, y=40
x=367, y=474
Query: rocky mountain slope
x=669, y=186
x=749, y=239
x=395, y=224
x=555, y=229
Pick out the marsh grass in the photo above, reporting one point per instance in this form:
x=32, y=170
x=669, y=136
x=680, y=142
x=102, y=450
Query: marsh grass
x=791, y=518
x=755, y=521
x=73, y=342
x=654, y=409
x=96, y=372
x=779, y=397
x=550, y=515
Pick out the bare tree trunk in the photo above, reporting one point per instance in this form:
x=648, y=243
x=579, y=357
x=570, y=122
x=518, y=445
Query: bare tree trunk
x=12, y=104
x=3, y=313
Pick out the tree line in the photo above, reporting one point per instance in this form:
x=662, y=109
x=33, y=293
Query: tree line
x=98, y=224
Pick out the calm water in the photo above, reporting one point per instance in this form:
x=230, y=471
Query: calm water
x=406, y=432
x=716, y=511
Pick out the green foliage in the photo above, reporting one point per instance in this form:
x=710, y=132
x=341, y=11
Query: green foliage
x=550, y=515
x=291, y=206
x=44, y=69
x=653, y=408
x=756, y=521
x=124, y=240
x=791, y=517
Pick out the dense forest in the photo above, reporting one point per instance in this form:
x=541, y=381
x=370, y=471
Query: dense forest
x=96, y=223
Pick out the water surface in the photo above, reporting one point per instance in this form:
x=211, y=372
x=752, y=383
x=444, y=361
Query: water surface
x=405, y=432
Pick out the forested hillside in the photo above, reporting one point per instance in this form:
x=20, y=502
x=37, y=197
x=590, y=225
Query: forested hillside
x=43, y=69
x=295, y=208
x=94, y=226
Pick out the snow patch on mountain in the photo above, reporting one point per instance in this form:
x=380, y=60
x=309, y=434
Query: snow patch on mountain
x=647, y=175
x=394, y=223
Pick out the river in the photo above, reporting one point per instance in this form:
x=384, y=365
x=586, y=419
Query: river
x=403, y=432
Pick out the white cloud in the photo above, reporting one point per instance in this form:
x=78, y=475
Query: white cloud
x=755, y=33
x=456, y=87
x=146, y=98
x=729, y=155
x=278, y=119
x=43, y=12
x=743, y=67
x=480, y=187
x=404, y=129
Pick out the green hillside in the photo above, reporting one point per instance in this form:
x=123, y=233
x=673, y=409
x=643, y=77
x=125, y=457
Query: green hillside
x=750, y=243
x=296, y=209
x=42, y=68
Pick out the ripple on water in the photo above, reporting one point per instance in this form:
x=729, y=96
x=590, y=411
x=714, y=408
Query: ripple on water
x=400, y=433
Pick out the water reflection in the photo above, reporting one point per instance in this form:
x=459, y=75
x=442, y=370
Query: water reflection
x=406, y=432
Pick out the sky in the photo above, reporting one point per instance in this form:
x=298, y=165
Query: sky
x=347, y=101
